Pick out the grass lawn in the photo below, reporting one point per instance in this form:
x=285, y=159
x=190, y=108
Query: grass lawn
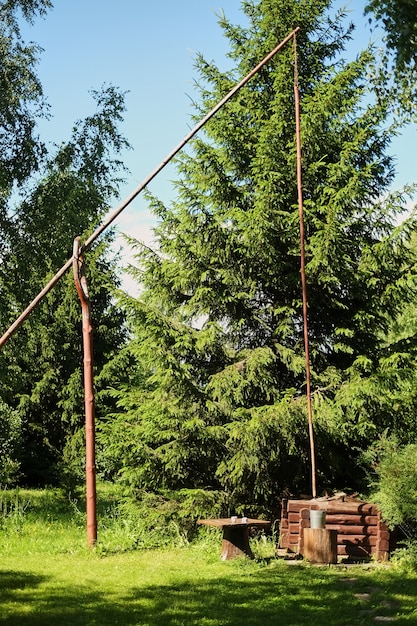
x=48, y=577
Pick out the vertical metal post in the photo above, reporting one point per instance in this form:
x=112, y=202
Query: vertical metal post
x=90, y=465
x=303, y=273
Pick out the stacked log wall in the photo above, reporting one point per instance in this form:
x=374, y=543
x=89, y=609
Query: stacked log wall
x=360, y=529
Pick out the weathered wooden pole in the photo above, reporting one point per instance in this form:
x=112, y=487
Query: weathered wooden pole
x=90, y=462
x=303, y=271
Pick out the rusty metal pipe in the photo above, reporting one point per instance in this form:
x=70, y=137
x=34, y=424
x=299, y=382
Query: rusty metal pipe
x=140, y=188
x=87, y=327
x=303, y=272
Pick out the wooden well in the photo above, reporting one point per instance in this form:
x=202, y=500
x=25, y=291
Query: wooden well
x=361, y=533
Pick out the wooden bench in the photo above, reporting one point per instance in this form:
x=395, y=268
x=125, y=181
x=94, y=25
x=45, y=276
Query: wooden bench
x=235, y=540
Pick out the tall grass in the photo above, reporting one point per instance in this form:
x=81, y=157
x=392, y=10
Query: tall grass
x=49, y=577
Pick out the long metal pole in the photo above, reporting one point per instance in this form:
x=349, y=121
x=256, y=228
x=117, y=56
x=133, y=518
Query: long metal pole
x=90, y=455
x=140, y=188
x=303, y=272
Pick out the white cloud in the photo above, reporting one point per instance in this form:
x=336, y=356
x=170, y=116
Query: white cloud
x=138, y=225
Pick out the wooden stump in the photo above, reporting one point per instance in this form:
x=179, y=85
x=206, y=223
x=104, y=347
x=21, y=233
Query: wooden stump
x=320, y=545
x=235, y=542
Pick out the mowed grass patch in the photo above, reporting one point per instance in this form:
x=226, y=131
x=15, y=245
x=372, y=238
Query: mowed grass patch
x=184, y=586
x=69, y=584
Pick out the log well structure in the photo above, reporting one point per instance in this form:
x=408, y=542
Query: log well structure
x=361, y=532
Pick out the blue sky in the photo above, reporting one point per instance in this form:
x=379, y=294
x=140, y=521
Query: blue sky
x=147, y=48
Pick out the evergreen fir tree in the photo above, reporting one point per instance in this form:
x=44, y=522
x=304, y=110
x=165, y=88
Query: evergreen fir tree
x=218, y=330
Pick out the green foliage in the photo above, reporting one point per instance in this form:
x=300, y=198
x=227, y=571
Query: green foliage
x=396, y=71
x=167, y=518
x=62, y=194
x=22, y=104
x=28, y=8
x=9, y=442
x=399, y=19
x=217, y=402
x=396, y=470
x=405, y=557
x=50, y=576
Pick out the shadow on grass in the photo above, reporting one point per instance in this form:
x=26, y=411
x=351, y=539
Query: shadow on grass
x=12, y=582
x=277, y=595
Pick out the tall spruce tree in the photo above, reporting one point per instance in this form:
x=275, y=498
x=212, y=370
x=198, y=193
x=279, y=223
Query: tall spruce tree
x=219, y=401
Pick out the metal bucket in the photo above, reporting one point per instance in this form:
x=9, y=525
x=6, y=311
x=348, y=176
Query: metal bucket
x=317, y=519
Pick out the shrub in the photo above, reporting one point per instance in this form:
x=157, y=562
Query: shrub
x=396, y=484
x=9, y=439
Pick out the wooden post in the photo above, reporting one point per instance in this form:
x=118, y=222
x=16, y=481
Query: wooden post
x=90, y=463
x=320, y=545
x=235, y=542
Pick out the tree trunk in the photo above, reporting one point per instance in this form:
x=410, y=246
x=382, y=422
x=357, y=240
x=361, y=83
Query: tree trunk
x=320, y=545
